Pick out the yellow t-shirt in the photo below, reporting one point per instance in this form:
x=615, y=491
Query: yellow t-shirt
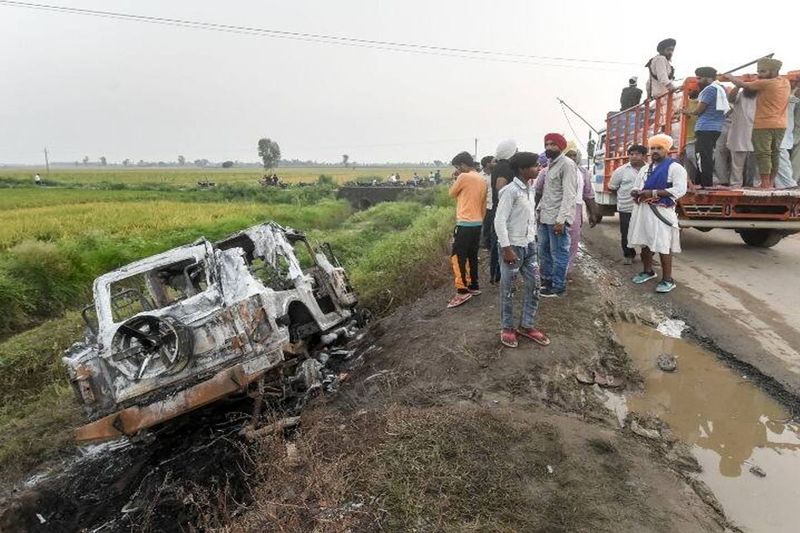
x=771, y=103
x=469, y=190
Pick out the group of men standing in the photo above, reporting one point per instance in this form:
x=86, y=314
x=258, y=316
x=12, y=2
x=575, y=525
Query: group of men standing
x=749, y=133
x=529, y=208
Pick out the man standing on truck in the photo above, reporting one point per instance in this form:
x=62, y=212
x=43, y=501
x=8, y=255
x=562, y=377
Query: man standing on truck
x=739, y=140
x=515, y=224
x=654, y=223
x=712, y=104
x=770, y=122
x=622, y=181
x=795, y=155
x=556, y=212
x=786, y=178
x=631, y=95
x=662, y=75
x=469, y=190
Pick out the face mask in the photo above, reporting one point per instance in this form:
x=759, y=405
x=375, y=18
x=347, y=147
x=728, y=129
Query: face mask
x=551, y=154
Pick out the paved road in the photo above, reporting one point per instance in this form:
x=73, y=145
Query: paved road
x=746, y=299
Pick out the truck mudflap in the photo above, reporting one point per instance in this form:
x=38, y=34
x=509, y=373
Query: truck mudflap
x=131, y=420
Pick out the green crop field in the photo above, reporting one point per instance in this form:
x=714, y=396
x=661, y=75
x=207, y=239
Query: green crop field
x=55, y=240
x=190, y=176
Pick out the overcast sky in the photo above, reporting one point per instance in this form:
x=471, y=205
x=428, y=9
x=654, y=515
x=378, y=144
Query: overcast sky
x=93, y=86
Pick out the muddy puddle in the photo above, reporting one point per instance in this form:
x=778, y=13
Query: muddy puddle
x=737, y=432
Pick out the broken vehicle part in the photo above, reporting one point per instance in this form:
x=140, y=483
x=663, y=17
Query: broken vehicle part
x=186, y=327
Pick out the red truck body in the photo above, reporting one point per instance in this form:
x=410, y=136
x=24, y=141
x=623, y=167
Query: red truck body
x=761, y=216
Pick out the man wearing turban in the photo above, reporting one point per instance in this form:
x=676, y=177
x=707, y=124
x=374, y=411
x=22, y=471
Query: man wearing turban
x=712, y=104
x=662, y=74
x=556, y=213
x=769, y=124
x=654, y=223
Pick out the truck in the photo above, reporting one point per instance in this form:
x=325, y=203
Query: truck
x=187, y=327
x=761, y=217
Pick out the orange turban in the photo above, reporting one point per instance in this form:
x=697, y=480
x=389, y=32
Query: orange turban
x=662, y=140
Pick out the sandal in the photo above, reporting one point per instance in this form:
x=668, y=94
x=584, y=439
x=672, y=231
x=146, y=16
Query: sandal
x=459, y=299
x=509, y=338
x=535, y=335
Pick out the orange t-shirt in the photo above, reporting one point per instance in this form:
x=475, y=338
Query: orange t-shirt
x=771, y=103
x=469, y=190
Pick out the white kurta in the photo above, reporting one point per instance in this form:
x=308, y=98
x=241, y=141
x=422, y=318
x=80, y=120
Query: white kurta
x=646, y=230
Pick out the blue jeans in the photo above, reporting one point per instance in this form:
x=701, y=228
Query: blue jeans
x=553, y=256
x=527, y=267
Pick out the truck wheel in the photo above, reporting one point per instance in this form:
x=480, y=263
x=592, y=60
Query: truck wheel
x=762, y=238
x=704, y=230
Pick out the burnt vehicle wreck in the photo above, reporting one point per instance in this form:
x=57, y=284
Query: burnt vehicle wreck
x=187, y=327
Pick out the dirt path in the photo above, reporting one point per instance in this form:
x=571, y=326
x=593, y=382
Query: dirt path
x=441, y=429
x=445, y=430
x=744, y=298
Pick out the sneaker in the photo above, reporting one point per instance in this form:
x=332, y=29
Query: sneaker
x=509, y=338
x=458, y=299
x=643, y=277
x=549, y=292
x=474, y=292
x=665, y=286
x=535, y=335
x=627, y=260
x=546, y=284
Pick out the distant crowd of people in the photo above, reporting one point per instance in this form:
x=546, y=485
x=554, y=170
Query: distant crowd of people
x=527, y=209
x=271, y=181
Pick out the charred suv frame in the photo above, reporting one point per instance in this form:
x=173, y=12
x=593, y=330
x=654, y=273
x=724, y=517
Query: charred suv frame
x=186, y=327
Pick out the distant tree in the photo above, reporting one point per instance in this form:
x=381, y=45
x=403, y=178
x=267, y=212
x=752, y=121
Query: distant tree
x=86, y=160
x=345, y=159
x=181, y=160
x=103, y=161
x=438, y=163
x=126, y=162
x=227, y=164
x=269, y=152
x=141, y=163
x=201, y=162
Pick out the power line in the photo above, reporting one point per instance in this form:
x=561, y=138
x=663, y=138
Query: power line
x=465, y=53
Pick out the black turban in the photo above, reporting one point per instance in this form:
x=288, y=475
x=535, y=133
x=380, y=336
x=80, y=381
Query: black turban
x=706, y=72
x=666, y=43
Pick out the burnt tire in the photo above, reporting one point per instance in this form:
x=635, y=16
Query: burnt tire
x=761, y=238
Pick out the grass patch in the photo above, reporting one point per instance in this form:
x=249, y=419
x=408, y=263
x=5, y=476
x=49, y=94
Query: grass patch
x=405, y=265
x=37, y=430
x=403, y=469
x=66, y=247
x=190, y=176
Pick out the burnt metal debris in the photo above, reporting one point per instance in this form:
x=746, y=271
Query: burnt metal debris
x=187, y=327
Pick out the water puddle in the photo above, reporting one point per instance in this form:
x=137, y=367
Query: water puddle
x=735, y=429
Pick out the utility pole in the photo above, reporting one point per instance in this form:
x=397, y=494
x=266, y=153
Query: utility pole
x=476, y=149
x=46, y=161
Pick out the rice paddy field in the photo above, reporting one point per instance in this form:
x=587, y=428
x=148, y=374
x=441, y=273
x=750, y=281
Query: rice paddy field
x=191, y=175
x=55, y=240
